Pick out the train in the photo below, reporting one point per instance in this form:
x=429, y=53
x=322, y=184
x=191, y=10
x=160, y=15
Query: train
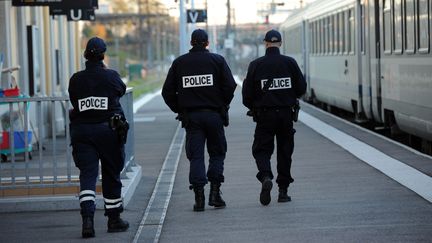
x=371, y=58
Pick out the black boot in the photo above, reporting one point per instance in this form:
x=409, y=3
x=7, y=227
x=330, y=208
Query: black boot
x=116, y=224
x=266, y=187
x=215, y=198
x=199, y=198
x=87, y=227
x=283, y=195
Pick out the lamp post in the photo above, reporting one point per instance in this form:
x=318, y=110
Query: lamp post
x=182, y=28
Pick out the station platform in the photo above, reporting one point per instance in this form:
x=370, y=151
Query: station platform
x=350, y=186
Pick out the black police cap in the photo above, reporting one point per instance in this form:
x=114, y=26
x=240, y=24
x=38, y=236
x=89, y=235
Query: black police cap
x=96, y=46
x=199, y=36
x=273, y=36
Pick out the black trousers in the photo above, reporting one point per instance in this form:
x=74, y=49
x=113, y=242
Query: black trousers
x=270, y=124
x=92, y=143
x=205, y=127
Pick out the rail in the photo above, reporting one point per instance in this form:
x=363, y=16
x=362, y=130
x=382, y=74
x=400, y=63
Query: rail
x=36, y=152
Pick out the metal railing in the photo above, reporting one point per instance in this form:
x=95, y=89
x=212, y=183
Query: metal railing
x=38, y=152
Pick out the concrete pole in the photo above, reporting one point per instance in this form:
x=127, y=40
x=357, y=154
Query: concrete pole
x=228, y=32
x=53, y=63
x=71, y=49
x=41, y=46
x=193, y=25
x=149, y=37
x=23, y=50
x=8, y=59
x=182, y=28
x=63, y=70
x=140, y=26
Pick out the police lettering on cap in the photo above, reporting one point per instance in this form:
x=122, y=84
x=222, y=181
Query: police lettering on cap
x=96, y=45
x=199, y=36
x=273, y=36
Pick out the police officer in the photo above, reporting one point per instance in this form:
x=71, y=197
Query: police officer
x=94, y=94
x=199, y=87
x=270, y=90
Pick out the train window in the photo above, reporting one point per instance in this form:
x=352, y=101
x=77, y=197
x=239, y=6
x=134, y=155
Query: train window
x=336, y=44
x=397, y=26
x=341, y=32
x=331, y=34
x=310, y=34
x=347, y=32
x=325, y=35
x=322, y=38
x=351, y=31
x=423, y=25
x=313, y=37
x=336, y=34
x=316, y=37
x=362, y=30
x=387, y=27
x=409, y=26
x=298, y=40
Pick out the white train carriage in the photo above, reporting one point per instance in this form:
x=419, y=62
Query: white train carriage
x=405, y=64
x=369, y=57
x=329, y=51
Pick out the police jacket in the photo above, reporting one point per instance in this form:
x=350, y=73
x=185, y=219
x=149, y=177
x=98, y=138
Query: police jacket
x=95, y=94
x=198, y=79
x=286, y=81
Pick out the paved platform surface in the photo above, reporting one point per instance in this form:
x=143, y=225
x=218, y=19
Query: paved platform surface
x=337, y=197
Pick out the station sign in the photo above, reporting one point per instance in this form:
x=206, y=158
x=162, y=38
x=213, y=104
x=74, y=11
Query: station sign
x=66, y=4
x=75, y=14
x=196, y=15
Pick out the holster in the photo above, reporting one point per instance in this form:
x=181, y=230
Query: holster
x=254, y=113
x=295, y=111
x=225, y=115
x=119, y=124
x=184, y=118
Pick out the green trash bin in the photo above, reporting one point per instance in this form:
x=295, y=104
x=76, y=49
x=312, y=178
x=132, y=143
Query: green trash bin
x=135, y=71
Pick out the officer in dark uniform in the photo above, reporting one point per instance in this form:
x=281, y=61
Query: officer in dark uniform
x=96, y=135
x=199, y=87
x=272, y=86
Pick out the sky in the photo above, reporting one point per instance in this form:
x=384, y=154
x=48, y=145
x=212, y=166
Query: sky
x=245, y=11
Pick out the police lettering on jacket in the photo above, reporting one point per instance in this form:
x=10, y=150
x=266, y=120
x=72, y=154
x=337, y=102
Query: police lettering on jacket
x=93, y=103
x=277, y=83
x=197, y=81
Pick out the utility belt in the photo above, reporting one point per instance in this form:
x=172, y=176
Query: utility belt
x=202, y=110
x=119, y=124
x=256, y=112
x=277, y=109
x=183, y=116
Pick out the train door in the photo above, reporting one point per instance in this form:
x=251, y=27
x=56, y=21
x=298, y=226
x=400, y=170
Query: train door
x=375, y=44
x=305, y=37
x=361, y=65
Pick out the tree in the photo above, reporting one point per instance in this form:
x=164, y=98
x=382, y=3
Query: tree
x=121, y=6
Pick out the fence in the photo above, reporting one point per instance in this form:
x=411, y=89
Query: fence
x=36, y=153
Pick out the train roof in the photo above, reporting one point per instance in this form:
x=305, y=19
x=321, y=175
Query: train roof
x=316, y=9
